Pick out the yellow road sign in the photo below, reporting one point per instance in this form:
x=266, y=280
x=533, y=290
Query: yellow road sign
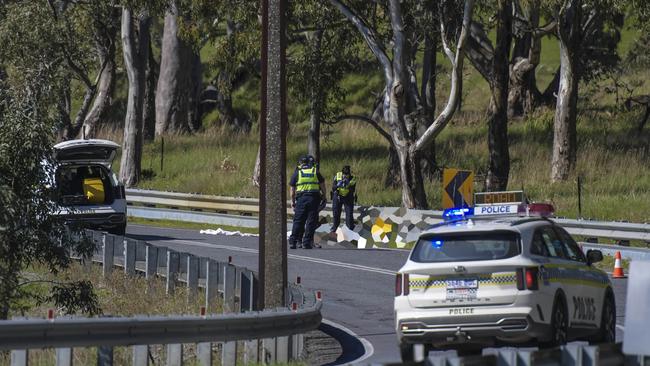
x=457, y=188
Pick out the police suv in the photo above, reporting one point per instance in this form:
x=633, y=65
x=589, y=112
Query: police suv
x=501, y=274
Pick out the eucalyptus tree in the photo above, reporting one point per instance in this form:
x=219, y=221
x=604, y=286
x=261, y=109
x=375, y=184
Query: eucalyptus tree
x=322, y=51
x=587, y=32
x=401, y=107
x=492, y=63
x=178, y=89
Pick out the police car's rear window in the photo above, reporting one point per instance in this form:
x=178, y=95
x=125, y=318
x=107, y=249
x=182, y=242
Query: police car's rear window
x=466, y=247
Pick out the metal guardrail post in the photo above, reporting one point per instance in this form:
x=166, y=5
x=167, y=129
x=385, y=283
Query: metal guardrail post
x=108, y=242
x=151, y=261
x=211, y=284
x=192, y=270
x=282, y=349
x=174, y=355
x=64, y=357
x=247, y=291
x=140, y=251
x=162, y=258
x=104, y=356
x=140, y=355
x=204, y=354
x=173, y=264
x=19, y=357
x=229, y=349
x=129, y=256
x=269, y=350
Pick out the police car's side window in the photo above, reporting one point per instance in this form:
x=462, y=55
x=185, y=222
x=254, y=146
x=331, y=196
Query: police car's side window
x=552, y=243
x=537, y=246
x=572, y=248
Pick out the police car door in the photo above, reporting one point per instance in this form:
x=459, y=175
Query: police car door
x=565, y=273
x=586, y=306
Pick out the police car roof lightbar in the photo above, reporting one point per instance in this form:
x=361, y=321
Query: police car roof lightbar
x=531, y=209
x=457, y=213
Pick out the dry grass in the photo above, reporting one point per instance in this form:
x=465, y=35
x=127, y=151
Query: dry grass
x=119, y=295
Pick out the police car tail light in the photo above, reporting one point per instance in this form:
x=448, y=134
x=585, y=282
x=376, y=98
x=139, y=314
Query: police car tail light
x=531, y=278
x=527, y=278
x=402, y=284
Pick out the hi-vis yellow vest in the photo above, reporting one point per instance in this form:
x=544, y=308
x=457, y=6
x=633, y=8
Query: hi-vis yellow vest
x=307, y=180
x=345, y=189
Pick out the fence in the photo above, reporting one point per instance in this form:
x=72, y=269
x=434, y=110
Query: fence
x=275, y=335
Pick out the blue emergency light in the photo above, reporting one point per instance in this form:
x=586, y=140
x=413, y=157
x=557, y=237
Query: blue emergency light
x=457, y=213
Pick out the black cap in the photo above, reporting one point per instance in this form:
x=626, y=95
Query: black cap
x=346, y=169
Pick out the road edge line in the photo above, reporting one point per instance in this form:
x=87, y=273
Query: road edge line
x=369, y=350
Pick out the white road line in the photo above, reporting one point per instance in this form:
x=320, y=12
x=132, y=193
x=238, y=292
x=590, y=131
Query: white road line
x=369, y=350
x=291, y=256
x=620, y=327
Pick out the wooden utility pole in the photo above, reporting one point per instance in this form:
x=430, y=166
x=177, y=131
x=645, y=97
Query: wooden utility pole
x=273, y=151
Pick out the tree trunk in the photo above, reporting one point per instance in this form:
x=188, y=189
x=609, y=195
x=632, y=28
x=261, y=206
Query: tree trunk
x=413, y=193
x=523, y=95
x=499, y=161
x=565, y=135
x=103, y=99
x=316, y=102
x=194, y=96
x=149, y=108
x=135, y=58
x=172, y=103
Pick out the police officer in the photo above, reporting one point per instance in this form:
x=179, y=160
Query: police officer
x=343, y=194
x=307, y=193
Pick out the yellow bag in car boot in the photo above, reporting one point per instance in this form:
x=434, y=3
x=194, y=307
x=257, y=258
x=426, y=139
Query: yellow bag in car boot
x=94, y=190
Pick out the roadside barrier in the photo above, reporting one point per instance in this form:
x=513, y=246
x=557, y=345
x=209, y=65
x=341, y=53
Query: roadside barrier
x=242, y=212
x=572, y=354
x=274, y=335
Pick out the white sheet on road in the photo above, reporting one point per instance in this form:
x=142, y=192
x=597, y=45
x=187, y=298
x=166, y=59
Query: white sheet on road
x=220, y=231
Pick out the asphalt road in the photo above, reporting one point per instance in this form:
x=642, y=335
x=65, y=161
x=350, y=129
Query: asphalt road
x=357, y=285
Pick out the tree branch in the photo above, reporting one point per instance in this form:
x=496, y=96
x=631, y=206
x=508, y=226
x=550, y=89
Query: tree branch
x=369, y=36
x=456, y=78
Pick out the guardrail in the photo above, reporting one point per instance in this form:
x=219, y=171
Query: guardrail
x=240, y=212
x=572, y=354
x=274, y=335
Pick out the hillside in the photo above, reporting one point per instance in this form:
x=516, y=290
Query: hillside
x=613, y=158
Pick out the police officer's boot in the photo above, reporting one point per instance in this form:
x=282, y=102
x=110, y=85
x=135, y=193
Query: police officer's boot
x=292, y=244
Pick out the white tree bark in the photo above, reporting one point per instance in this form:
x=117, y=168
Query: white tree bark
x=135, y=58
x=174, y=93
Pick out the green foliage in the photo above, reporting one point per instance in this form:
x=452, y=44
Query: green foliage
x=29, y=231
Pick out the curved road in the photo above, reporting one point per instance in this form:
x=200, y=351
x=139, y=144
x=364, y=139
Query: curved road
x=357, y=285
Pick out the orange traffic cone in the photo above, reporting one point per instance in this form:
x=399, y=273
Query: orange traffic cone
x=618, y=268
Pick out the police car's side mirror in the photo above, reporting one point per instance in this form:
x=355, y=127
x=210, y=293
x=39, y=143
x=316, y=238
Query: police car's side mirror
x=594, y=256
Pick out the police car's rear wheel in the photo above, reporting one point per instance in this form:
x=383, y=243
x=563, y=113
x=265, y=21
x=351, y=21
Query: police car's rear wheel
x=607, y=332
x=406, y=352
x=559, y=324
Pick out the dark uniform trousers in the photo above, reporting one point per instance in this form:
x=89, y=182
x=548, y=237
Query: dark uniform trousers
x=305, y=219
x=348, y=203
